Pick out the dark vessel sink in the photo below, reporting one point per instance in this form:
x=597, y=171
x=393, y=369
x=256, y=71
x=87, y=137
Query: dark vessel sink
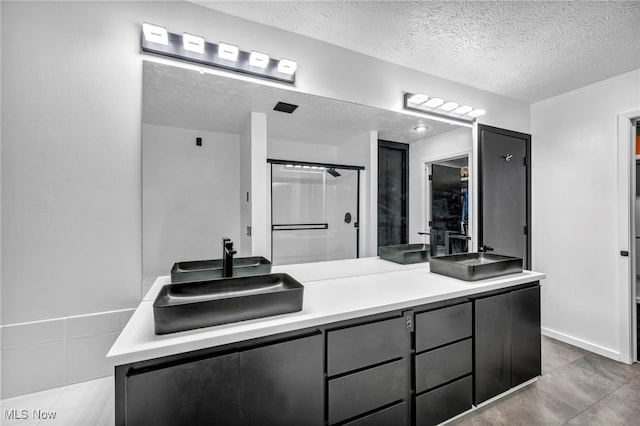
x=203, y=270
x=475, y=266
x=405, y=253
x=180, y=307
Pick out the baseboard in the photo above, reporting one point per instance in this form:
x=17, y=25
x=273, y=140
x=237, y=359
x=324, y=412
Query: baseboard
x=600, y=350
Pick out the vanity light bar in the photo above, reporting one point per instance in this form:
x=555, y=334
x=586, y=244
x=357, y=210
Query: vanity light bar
x=438, y=107
x=192, y=48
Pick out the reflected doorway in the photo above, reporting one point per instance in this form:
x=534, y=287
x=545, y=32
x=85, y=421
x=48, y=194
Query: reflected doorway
x=448, y=209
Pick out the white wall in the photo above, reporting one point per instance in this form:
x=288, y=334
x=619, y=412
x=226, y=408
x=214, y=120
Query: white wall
x=188, y=202
x=574, y=160
x=245, y=189
x=281, y=149
x=443, y=145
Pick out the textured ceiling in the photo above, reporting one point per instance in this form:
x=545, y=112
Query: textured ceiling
x=527, y=50
x=179, y=97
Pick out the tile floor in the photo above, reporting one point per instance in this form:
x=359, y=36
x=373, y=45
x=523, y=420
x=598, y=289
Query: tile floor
x=577, y=388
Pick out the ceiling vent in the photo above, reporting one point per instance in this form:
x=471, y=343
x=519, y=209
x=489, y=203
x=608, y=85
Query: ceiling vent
x=285, y=107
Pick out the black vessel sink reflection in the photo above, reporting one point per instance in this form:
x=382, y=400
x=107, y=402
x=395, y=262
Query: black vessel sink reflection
x=203, y=270
x=406, y=253
x=186, y=306
x=475, y=266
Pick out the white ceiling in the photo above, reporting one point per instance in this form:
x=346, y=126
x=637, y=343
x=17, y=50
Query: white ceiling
x=527, y=50
x=179, y=97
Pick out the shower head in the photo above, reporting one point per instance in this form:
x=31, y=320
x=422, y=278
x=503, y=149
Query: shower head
x=332, y=171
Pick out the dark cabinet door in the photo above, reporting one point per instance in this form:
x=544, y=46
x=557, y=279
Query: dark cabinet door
x=202, y=392
x=525, y=342
x=282, y=384
x=492, y=364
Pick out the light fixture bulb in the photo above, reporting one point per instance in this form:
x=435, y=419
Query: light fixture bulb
x=155, y=33
x=193, y=43
x=418, y=98
x=434, y=102
x=287, y=66
x=258, y=59
x=463, y=109
x=449, y=106
x=477, y=113
x=227, y=51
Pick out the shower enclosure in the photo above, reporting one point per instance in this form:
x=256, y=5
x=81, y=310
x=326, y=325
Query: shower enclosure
x=314, y=212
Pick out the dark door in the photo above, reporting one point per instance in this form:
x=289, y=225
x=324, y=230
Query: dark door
x=446, y=205
x=505, y=192
x=393, y=184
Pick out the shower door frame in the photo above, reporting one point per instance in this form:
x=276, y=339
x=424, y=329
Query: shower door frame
x=272, y=161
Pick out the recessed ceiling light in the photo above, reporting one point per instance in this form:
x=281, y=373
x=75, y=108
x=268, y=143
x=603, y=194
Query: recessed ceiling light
x=418, y=98
x=434, y=102
x=477, y=113
x=449, y=106
x=259, y=59
x=227, y=51
x=287, y=66
x=421, y=128
x=155, y=33
x=463, y=109
x=193, y=43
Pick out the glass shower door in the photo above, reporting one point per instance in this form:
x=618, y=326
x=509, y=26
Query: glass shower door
x=314, y=213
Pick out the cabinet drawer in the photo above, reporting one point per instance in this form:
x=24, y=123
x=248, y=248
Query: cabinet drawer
x=441, y=326
x=444, y=364
x=443, y=403
x=395, y=415
x=366, y=390
x=363, y=345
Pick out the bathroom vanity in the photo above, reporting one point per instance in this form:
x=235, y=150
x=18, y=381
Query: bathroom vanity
x=376, y=343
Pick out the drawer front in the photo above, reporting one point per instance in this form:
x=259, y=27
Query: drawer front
x=444, y=364
x=366, y=390
x=442, y=326
x=443, y=403
x=395, y=415
x=363, y=345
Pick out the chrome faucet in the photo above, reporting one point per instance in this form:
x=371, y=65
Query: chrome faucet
x=227, y=257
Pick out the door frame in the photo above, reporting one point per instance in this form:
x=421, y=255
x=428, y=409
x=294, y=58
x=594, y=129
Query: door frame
x=529, y=260
x=425, y=208
x=272, y=161
x=626, y=282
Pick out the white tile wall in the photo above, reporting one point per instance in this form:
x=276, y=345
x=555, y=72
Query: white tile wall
x=45, y=354
x=34, y=367
x=85, y=358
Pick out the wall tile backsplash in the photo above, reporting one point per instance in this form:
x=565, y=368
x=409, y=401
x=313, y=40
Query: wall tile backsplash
x=45, y=354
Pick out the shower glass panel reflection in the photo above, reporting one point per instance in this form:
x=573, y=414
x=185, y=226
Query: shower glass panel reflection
x=314, y=212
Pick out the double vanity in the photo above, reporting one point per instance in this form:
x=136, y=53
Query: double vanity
x=375, y=343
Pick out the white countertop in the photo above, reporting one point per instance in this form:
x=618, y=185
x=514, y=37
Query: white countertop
x=333, y=291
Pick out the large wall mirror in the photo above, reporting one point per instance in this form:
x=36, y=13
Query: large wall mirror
x=193, y=127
